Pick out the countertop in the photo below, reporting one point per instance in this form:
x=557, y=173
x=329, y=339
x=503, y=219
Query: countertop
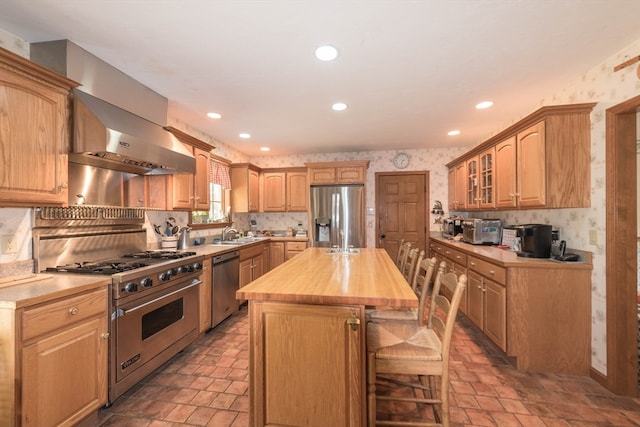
x=318, y=277
x=26, y=290
x=508, y=258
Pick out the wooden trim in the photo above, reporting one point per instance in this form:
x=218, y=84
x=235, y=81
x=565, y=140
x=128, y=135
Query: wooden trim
x=11, y=60
x=220, y=159
x=523, y=124
x=626, y=63
x=621, y=254
x=339, y=164
x=188, y=139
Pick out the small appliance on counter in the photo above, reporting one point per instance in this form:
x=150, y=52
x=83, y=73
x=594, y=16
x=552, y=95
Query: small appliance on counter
x=535, y=240
x=451, y=227
x=478, y=231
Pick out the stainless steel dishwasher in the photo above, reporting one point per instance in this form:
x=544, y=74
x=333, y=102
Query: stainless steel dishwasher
x=226, y=275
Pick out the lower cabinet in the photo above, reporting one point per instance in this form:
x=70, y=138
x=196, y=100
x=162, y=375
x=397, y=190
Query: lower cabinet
x=205, y=295
x=252, y=264
x=286, y=340
x=294, y=248
x=61, y=364
x=521, y=304
x=276, y=255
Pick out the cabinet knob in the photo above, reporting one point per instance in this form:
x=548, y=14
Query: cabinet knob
x=473, y=264
x=64, y=185
x=492, y=272
x=105, y=336
x=73, y=311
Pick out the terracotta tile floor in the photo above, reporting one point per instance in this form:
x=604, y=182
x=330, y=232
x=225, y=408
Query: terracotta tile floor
x=207, y=385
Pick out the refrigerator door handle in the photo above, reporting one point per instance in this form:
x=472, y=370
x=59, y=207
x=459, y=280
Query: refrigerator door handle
x=335, y=214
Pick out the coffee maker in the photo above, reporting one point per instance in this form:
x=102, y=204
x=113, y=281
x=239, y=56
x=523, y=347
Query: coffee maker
x=535, y=240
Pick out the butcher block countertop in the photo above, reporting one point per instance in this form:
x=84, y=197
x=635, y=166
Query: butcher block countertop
x=316, y=277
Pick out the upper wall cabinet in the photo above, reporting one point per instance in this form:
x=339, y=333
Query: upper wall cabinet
x=191, y=191
x=285, y=190
x=34, y=133
x=350, y=172
x=543, y=161
x=245, y=187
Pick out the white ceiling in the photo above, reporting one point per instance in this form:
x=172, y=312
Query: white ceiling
x=410, y=71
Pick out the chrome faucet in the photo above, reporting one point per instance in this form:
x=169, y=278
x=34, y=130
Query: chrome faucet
x=229, y=230
x=224, y=232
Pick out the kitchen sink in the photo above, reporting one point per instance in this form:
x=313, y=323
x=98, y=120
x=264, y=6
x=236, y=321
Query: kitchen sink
x=240, y=241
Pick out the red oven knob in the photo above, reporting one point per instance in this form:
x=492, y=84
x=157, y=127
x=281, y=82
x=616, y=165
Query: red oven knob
x=130, y=287
x=146, y=282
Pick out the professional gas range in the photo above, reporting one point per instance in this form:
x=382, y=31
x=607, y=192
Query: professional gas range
x=154, y=305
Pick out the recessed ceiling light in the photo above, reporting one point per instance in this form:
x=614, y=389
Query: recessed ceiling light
x=244, y=135
x=264, y=148
x=484, y=104
x=339, y=106
x=214, y=115
x=453, y=132
x=326, y=53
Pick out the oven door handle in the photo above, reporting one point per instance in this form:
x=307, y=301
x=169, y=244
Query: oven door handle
x=122, y=312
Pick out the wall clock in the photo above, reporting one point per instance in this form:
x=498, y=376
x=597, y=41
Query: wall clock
x=401, y=160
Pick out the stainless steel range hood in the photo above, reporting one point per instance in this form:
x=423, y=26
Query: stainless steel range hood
x=109, y=137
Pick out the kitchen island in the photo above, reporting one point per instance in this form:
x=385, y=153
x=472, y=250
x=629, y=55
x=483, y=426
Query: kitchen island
x=307, y=335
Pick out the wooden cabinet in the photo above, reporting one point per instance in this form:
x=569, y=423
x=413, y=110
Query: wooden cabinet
x=457, y=186
x=276, y=254
x=486, y=184
x=516, y=302
x=252, y=264
x=245, y=187
x=455, y=261
x=191, y=191
x=351, y=172
x=327, y=364
x=285, y=190
x=294, y=248
x=204, y=295
x=487, y=301
x=530, y=166
x=46, y=384
x=34, y=134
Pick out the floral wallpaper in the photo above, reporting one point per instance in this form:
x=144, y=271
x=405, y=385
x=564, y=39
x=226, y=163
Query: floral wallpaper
x=599, y=84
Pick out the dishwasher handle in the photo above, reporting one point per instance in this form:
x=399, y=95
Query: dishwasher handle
x=219, y=259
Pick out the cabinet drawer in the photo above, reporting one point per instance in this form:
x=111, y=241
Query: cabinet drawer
x=492, y=271
x=455, y=255
x=49, y=317
x=436, y=248
x=296, y=246
x=250, y=252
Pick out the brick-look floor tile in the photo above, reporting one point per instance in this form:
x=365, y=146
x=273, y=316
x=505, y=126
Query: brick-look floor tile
x=207, y=384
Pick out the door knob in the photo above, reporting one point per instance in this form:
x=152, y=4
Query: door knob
x=382, y=236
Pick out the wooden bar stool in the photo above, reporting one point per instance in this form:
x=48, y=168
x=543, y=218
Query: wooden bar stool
x=405, y=348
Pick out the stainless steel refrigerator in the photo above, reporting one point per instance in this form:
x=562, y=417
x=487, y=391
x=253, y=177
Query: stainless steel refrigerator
x=337, y=216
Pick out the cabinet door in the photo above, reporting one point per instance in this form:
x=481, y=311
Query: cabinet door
x=495, y=304
x=297, y=192
x=324, y=340
x=459, y=269
x=346, y=175
x=274, y=186
x=257, y=266
x=56, y=388
x=486, y=175
x=34, y=142
x=157, y=192
x=451, y=191
x=267, y=257
x=245, y=272
x=134, y=191
x=461, y=189
x=182, y=191
x=475, y=299
x=205, y=296
x=472, y=188
x=254, y=191
x=277, y=254
x=201, y=180
x=505, y=178
x=322, y=175
x=531, y=168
